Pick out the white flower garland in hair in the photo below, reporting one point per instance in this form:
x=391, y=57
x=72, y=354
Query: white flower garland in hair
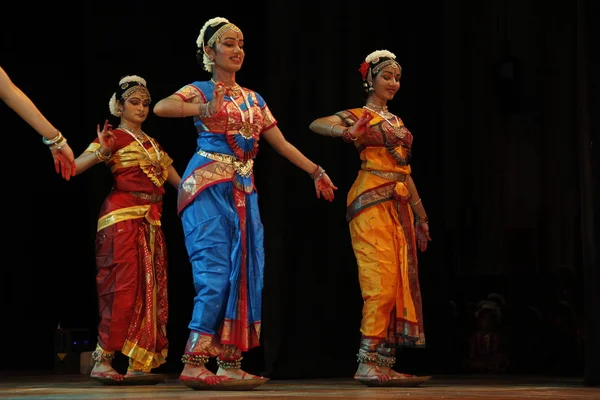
x=112, y=103
x=200, y=40
x=374, y=56
x=133, y=78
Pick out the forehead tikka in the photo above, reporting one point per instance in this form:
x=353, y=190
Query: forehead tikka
x=137, y=88
x=384, y=64
x=217, y=35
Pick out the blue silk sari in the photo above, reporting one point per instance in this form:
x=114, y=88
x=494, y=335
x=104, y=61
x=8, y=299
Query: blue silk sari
x=218, y=205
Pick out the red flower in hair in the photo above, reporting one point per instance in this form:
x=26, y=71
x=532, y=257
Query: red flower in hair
x=364, y=68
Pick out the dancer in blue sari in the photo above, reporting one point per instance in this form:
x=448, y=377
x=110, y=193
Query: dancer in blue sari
x=218, y=205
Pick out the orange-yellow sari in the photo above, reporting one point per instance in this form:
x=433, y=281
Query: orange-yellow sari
x=383, y=236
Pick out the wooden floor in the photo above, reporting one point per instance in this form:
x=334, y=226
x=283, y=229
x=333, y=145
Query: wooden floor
x=455, y=387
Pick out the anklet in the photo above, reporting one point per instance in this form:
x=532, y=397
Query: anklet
x=230, y=364
x=195, y=360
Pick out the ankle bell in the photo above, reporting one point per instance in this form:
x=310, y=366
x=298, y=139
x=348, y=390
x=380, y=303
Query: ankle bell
x=100, y=355
x=195, y=360
x=230, y=364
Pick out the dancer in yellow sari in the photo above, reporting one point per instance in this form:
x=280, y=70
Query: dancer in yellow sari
x=387, y=221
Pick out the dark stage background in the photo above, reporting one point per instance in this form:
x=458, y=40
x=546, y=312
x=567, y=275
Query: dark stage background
x=499, y=97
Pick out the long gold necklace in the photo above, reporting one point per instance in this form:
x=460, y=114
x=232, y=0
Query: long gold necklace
x=139, y=141
x=247, y=128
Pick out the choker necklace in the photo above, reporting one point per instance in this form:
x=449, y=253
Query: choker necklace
x=234, y=90
x=375, y=107
x=139, y=134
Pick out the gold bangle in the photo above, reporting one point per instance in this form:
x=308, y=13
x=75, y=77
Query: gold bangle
x=54, y=140
x=101, y=156
x=58, y=145
x=415, y=203
x=331, y=130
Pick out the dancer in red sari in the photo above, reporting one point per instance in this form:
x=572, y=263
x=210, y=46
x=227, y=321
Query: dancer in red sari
x=131, y=254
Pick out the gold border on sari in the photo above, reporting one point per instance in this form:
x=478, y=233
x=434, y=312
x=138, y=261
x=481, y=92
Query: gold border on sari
x=123, y=214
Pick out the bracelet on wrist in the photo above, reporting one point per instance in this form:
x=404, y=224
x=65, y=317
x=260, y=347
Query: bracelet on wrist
x=421, y=220
x=347, y=136
x=318, y=174
x=55, y=140
x=415, y=203
x=101, y=156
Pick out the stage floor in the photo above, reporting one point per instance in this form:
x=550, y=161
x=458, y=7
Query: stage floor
x=452, y=387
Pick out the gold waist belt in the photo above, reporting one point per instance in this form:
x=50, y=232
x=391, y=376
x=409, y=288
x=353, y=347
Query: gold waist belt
x=153, y=198
x=390, y=176
x=243, y=168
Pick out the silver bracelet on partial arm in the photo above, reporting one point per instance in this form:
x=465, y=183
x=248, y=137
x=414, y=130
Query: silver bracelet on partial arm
x=57, y=142
x=318, y=174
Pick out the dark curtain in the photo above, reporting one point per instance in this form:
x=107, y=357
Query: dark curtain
x=499, y=97
x=588, y=98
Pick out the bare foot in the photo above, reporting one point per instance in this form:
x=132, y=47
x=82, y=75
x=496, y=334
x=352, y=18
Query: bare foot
x=236, y=373
x=106, y=371
x=200, y=374
x=370, y=371
x=393, y=374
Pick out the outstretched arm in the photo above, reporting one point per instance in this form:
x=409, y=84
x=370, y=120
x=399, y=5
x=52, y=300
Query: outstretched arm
x=174, y=106
x=333, y=126
x=328, y=126
x=14, y=97
x=323, y=184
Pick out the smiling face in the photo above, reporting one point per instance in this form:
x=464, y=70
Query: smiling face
x=387, y=83
x=228, y=53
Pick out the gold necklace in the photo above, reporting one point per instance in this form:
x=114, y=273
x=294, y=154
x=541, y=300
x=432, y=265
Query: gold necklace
x=234, y=90
x=247, y=128
x=395, y=128
x=138, y=133
x=377, y=107
x=156, y=171
x=140, y=141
